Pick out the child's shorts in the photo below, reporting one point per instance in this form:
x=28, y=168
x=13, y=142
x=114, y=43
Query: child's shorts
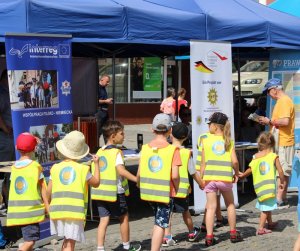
x=162, y=213
x=31, y=232
x=117, y=208
x=214, y=186
x=181, y=204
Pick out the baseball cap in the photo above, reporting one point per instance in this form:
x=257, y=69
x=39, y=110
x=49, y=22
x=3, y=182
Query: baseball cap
x=161, y=122
x=180, y=130
x=218, y=118
x=272, y=83
x=26, y=142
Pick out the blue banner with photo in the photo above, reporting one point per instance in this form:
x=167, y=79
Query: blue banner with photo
x=39, y=75
x=39, y=70
x=285, y=65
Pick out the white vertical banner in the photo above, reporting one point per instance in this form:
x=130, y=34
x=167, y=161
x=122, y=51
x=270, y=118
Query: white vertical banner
x=211, y=91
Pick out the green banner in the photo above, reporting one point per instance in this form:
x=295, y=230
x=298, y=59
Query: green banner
x=152, y=74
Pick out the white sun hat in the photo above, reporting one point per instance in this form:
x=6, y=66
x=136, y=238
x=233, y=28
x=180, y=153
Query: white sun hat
x=73, y=145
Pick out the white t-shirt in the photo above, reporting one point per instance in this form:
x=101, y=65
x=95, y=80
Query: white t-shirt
x=119, y=161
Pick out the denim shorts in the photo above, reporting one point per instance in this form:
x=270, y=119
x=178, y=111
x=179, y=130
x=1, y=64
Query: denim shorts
x=162, y=213
x=31, y=232
x=117, y=208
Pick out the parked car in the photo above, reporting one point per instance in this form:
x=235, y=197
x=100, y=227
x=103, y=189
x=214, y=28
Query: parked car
x=254, y=75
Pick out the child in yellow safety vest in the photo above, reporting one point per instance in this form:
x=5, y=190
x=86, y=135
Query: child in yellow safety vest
x=221, y=221
x=110, y=195
x=218, y=161
x=158, y=176
x=181, y=200
x=68, y=189
x=263, y=168
x=27, y=203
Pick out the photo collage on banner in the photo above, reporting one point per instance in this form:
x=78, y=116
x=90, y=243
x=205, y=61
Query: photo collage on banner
x=211, y=91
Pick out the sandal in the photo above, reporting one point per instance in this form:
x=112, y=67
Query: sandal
x=203, y=228
x=210, y=240
x=272, y=225
x=235, y=237
x=263, y=231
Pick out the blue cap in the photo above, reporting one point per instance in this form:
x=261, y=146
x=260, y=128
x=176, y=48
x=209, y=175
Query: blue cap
x=272, y=83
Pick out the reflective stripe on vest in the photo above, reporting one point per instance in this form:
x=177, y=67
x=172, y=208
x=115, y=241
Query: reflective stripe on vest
x=25, y=205
x=155, y=173
x=184, y=183
x=107, y=190
x=218, y=166
x=69, y=190
x=264, y=175
x=199, y=153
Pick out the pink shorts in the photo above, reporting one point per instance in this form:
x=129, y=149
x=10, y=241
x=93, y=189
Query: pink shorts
x=214, y=186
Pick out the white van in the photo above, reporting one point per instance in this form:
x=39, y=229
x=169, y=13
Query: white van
x=254, y=75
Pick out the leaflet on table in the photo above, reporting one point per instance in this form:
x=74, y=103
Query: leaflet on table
x=255, y=117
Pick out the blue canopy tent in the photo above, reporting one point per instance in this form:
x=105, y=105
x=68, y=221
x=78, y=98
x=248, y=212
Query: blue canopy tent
x=291, y=7
x=154, y=27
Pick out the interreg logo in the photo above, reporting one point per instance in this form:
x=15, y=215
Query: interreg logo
x=42, y=51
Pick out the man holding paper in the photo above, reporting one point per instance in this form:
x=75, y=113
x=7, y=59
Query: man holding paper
x=283, y=119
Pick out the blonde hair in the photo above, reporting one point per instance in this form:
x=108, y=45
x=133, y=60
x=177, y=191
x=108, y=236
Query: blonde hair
x=265, y=141
x=226, y=134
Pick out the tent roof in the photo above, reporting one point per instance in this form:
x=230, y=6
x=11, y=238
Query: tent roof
x=160, y=27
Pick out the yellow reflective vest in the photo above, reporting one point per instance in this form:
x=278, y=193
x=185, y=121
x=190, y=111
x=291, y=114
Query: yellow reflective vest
x=25, y=204
x=199, y=153
x=69, y=190
x=108, y=189
x=264, y=175
x=218, y=165
x=184, y=183
x=155, y=173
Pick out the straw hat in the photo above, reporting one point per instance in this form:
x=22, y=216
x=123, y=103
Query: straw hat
x=73, y=145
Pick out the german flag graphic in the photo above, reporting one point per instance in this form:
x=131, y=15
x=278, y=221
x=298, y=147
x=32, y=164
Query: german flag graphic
x=200, y=66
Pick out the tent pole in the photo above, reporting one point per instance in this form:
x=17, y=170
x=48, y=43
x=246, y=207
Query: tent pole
x=239, y=83
x=114, y=85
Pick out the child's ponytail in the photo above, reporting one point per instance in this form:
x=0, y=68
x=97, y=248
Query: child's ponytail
x=227, y=136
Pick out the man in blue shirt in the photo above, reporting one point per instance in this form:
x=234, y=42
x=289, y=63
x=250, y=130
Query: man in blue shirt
x=103, y=103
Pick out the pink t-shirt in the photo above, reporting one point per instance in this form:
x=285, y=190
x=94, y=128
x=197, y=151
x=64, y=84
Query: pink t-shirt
x=167, y=106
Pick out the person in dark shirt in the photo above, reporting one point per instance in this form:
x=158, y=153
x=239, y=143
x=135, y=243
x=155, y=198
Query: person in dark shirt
x=103, y=103
x=137, y=75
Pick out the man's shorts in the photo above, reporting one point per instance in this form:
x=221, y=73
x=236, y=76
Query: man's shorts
x=31, y=232
x=162, y=213
x=286, y=155
x=214, y=186
x=117, y=208
x=181, y=205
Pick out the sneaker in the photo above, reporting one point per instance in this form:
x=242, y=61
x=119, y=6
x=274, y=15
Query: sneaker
x=221, y=223
x=283, y=205
x=134, y=247
x=169, y=242
x=193, y=236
